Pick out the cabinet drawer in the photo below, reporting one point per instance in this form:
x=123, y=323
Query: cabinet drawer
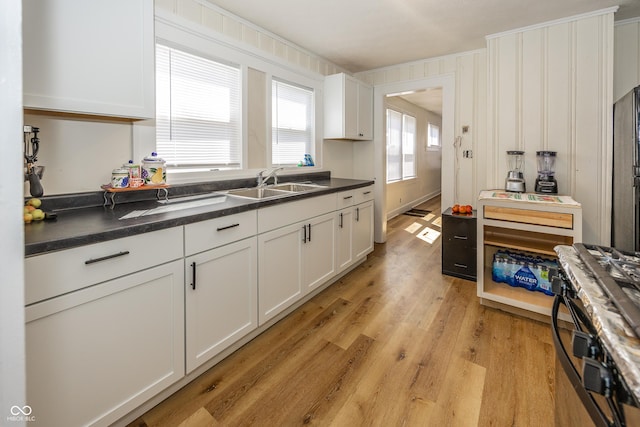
x=464, y=267
x=530, y=216
x=345, y=199
x=362, y=194
x=280, y=215
x=205, y=235
x=461, y=230
x=56, y=273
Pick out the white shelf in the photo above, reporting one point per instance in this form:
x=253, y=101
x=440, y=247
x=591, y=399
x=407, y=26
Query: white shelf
x=521, y=233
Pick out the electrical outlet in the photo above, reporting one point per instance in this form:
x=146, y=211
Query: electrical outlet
x=467, y=154
x=465, y=129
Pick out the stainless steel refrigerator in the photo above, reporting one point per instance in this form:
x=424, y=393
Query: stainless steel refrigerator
x=625, y=221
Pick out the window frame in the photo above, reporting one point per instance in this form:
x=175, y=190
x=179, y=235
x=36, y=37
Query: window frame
x=238, y=121
x=310, y=129
x=403, y=175
x=434, y=147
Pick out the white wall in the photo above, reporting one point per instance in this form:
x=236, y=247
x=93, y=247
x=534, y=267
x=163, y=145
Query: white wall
x=403, y=195
x=550, y=88
x=626, y=57
x=12, y=352
x=547, y=86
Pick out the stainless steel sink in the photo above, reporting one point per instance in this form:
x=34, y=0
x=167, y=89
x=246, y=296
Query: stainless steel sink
x=296, y=187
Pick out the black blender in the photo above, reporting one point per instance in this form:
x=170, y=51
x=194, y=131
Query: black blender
x=546, y=182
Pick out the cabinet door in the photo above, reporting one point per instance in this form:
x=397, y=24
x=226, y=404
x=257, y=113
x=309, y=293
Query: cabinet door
x=92, y=57
x=363, y=229
x=220, y=299
x=279, y=270
x=351, y=108
x=319, y=259
x=96, y=354
x=344, y=238
x=365, y=112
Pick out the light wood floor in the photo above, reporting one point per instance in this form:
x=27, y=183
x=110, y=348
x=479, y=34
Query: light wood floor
x=394, y=343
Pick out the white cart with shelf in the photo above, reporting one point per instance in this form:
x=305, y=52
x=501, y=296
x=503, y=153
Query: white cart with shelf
x=522, y=222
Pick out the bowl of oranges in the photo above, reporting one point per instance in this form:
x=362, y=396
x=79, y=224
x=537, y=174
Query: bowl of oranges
x=462, y=209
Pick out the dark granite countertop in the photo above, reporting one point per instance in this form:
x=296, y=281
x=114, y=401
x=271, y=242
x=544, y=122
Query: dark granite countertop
x=82, y=220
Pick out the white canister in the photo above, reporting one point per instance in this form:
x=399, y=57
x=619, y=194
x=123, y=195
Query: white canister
x=120, y=178
x=154, y=171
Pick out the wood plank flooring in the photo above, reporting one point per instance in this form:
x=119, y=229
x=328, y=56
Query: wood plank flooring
x=393, y=343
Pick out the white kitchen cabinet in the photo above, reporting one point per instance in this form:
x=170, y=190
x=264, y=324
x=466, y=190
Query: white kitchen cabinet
x=294, y=257
x=221, y=299
x=92, y=57
x=294, y=260
x=279, y=270
x=348, y=108
x=344, y=238
x=363, y=230
x=96, y=354
x=318, y=251
x=522, y=223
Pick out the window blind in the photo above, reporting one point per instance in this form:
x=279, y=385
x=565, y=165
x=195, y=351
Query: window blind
x=291, y=123
x=394, y=145
x=408, y=146
x=198, y=115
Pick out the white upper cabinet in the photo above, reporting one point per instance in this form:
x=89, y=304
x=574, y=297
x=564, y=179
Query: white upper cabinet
x=348, y=108
x=89, y=57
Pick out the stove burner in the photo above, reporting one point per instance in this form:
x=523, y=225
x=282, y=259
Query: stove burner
x=618, y=273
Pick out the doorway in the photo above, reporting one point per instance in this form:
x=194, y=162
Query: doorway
x=379, y=169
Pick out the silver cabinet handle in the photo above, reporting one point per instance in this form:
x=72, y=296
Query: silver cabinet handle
x=460, y=237
x=104, y=258
x=460, y=265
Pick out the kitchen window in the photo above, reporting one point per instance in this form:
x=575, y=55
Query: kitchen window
x=292, y=123
x=198, y=114
x=401, y=146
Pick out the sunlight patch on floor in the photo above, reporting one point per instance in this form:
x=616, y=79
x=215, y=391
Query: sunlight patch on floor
x=413, y=228
x=429, y=235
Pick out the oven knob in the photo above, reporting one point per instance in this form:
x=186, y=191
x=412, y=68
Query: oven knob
x=584, y=345
x=596, y=377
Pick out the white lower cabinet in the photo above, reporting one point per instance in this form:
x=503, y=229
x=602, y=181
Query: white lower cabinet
x=279, y=270
x=318, y=251
x=221, y=299
x=294, y=260
x=363, y=230
x=344, y=238
x=97, y=353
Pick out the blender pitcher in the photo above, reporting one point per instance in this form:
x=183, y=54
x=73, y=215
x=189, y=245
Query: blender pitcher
x=546, y=182
x=515, y=177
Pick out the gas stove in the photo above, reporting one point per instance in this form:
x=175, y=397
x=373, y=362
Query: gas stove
x=599, y=286
x=618, y=273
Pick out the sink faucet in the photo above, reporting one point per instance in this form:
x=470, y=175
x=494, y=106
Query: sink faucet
x=262, y=181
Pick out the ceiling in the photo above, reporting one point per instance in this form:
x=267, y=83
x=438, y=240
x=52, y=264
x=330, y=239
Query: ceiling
x=360, y=35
